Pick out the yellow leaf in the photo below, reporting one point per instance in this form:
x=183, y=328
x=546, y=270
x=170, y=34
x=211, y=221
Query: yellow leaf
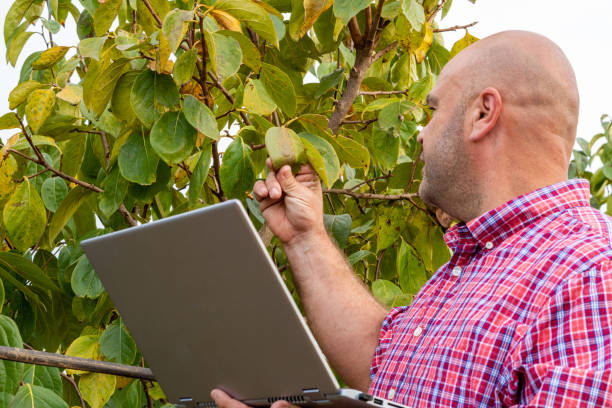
x=226, y=20
x=85, y=347
x=164, y=52
x=465, y=42
x=175, y=26
x=39, y=107
x=24, y=216
x=421, y=52
x=50, y=57
x=71, y=94
x=8, y=168
x=123, y=382
x=156, y=392
x=97, y=388
x=21, y=93
x=9, y=143
x=312, y=10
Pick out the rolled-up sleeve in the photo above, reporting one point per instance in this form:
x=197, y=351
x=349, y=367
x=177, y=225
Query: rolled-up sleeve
x=565, y=357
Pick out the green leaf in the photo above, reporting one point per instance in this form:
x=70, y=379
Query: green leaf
x=175, y=26
x=34, y=396
x=339, y=226
x=385, y=291
x=285, y=147
x=53, y=192
x=312, y=10
x=329, y=81
x=419, y=90
x=389, y=224
x=15, y=14
x=115, y=189
x=200, y=117
x=9, y=121
x=358, y=256
x=316, y=161
x=250, y=54
x=47, y=377
x=172, y=137
x=346, y=9
x=401, y=175
x=351, y=152
x=104, y=86
x=279, y=87
x=414, y=13
x=1, y=295
x=252, y=15
x=199, y=173
x=97, y=388
x=330, y=159
x=90, y=47
x=225, y=53
x=39, y=107
x=28, y=270
x=105, y=15
x=10, y=371
x=50, y=57
x=51, y=25
x=85, y=281
x=16, y=44
x=464, y=42
x=21, y=92
x=137, y=159
x=412, y=272
x=120, y=101
x=116, y=344
x=150, y=92
x=256, y=98
x=385, y=147
x=184, y=67
x=236, y=173
x=24, y=216
x=75, y=198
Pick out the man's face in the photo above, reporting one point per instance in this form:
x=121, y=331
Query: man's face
x=446, y=167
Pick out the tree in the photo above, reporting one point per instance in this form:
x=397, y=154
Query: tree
x=126, y=130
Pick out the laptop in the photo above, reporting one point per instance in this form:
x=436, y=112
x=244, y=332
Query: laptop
x=208, y=309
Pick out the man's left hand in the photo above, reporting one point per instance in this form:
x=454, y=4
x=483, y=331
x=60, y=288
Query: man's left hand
x=225, y=401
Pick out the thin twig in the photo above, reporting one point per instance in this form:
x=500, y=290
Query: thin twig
x=257, y=146
x=384, y=51
x=127, y=215
x=183, y=166
x=229, y=97
x=369, y=181
x=376, y=93
x=146, y=391
x=76, y=388
x=38, y=173
x=275, y=116
x=454, y=28
x=375, y=27
x=216, y=167
x=370, y=196
x=378, y=263
x=153, y=13
x=358, y=122
x=331, y=205
x=433, y=14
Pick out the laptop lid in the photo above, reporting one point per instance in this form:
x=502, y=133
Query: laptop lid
x=208, y=309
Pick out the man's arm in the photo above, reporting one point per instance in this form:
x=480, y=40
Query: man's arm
x=344, y=317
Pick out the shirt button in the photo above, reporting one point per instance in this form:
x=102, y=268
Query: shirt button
x=489, y=245
x=391, y=393
x=417, y=332
x=456, y=271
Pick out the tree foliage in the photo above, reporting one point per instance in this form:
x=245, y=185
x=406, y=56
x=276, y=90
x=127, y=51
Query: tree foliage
x=125, y=128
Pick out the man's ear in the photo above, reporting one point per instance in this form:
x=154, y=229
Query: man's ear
x=485, y=113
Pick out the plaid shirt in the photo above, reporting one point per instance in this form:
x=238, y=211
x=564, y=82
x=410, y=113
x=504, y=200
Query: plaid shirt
x=520, y=316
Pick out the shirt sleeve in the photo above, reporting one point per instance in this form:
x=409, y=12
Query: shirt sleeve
x=565, y=357
x=384, y=338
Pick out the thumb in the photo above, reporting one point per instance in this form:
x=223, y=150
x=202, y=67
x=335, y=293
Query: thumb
x=288, y=183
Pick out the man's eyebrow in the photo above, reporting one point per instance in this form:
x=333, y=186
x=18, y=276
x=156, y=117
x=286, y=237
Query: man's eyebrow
x=430, y=100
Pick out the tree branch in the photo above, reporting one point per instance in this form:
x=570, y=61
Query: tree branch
x=74, y=363
x=216, y=167
x=433, y=14
x=127, y=215
x=229, y=97
x=358, y=122
x=454, y=28
x=370, y=196
x=71, y=381
x=376, y=93
x=146, y=391
x=353, y=27
x=153, y=13
x=378, y=263
x=384, y=51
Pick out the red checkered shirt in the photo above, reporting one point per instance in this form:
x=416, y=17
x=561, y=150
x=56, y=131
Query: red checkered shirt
x=520, y=316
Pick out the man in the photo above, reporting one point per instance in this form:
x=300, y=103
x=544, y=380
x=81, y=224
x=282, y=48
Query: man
x=522, y=313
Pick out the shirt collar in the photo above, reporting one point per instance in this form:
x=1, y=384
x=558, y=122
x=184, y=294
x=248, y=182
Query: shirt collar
x=493, y=227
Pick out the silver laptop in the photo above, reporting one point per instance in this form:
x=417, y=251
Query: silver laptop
x=208, y=309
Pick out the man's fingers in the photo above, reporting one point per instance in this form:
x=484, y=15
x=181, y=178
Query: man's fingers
x=225, y=401
x=282, y=404
x=289, y=184
x=260, y=191
x=274, y=188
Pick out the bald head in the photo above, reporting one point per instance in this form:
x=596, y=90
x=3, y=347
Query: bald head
x=533, y=75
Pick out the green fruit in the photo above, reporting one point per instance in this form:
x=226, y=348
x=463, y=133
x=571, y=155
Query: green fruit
x=285, y=147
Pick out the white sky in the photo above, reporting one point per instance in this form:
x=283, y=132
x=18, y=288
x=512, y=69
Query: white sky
x=582, y=31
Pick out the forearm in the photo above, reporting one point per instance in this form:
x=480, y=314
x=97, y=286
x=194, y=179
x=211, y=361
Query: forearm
x=341, y=312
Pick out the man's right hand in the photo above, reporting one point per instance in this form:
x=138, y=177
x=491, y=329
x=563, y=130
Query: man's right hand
x=292, y=206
